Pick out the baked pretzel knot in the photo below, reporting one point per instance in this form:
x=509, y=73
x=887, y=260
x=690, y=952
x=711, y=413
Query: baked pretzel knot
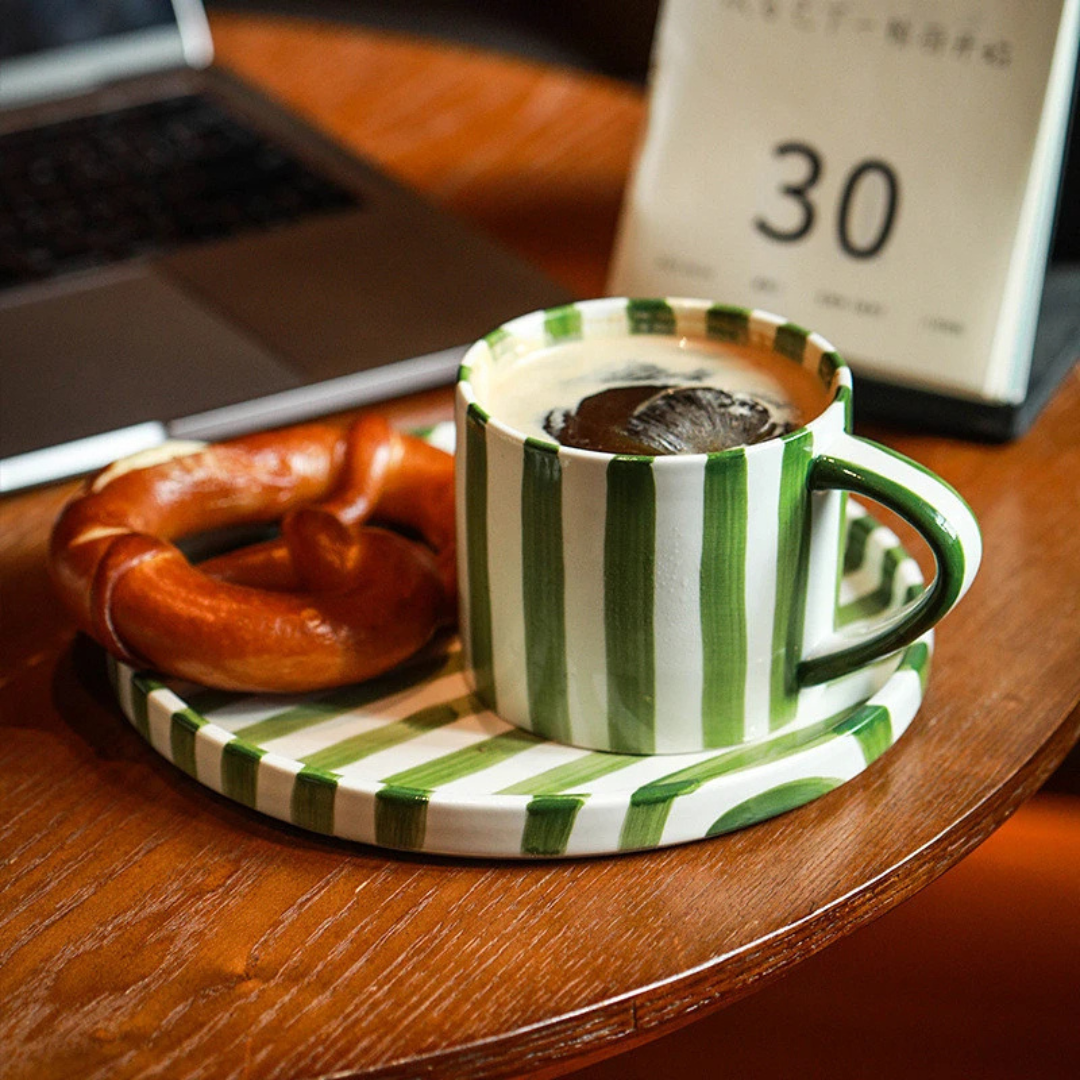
x=333, y=600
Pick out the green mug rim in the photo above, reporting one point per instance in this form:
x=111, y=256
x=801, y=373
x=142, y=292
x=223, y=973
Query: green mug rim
x=655, y=315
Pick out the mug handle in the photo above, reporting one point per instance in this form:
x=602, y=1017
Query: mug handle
x=929, y=504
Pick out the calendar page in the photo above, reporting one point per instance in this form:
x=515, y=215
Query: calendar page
x=883, y=171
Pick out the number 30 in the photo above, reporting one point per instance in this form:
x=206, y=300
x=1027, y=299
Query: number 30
x=799, y=193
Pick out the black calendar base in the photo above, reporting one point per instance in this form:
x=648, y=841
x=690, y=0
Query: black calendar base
x=1057, y=349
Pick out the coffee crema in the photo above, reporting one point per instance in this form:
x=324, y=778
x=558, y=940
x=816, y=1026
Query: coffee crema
x=652, y=394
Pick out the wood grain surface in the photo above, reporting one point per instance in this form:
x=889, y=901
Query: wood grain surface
x=151, y=928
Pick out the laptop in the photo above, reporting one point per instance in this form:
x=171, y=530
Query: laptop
x=180, y=258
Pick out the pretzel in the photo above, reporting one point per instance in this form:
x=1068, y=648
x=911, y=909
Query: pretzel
x=332, y=600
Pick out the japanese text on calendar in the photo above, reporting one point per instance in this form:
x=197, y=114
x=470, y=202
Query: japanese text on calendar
x=914, y=30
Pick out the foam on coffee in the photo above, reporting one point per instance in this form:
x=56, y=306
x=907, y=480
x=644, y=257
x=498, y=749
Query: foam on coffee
x=653, y=394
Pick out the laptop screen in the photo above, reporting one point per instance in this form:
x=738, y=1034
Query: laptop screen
x=56, y=48
x=32, y=26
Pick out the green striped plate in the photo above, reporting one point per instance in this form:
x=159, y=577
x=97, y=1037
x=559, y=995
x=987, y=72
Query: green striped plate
x=412, y=761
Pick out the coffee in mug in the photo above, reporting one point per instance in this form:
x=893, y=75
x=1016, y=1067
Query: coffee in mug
x=651, y=394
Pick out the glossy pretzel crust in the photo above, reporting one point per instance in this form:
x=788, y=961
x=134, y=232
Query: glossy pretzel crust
x=334, y=600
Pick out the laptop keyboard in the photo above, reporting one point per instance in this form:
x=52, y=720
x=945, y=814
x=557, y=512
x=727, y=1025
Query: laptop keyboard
x=100, y=189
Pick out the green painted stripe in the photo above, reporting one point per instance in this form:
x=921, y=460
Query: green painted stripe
x=312, y=803
x=572, y=775
x=629, y=584
x=643, y=826
x=829, y=364
x=343, y=700
x=728, y=324
x=790, y=341
x=240, y=771
x=647, y=814
x=917, y=658
x=871, y=725
x=366, y=743
x=858, y=532
x=878, y=599
x=843, y=395
x=401, y=818
x=500, y=342
x=562, y=323
x=464, y=762
x=650, y=317
x=549, y=821
x=143, y=684
x=185, y=723
x=723, y=599
x=777, y=800
x=793, y=560
x=542, y=584
x=476, y=546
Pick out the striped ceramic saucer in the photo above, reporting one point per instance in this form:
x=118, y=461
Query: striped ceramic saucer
x=412, y=761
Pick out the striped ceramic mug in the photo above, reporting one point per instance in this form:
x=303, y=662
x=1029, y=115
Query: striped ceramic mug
x=683, y=602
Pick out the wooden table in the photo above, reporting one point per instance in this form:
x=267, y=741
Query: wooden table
x=149, y=927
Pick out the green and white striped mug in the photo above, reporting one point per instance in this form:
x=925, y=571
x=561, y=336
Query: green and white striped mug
x=685, y=602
